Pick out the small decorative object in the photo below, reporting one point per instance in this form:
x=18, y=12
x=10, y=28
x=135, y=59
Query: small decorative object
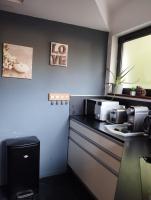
x=59, y=54
x=117, y=86
x=133, y=91
x=126, y=91
x=17, y=61
x=140, y=91
x=118, y=89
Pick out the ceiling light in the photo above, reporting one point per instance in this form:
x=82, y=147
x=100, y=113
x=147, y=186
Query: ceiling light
x=16, y=1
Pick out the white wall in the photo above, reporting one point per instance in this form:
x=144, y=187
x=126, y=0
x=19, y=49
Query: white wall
x=132, y=14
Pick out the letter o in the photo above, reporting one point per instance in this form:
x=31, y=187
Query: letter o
x=62, y=49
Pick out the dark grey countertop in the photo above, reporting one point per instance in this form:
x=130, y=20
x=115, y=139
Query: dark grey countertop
x=129, y=181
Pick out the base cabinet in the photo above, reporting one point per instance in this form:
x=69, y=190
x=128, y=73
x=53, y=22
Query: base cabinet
x=95, y=159
x=100, y=181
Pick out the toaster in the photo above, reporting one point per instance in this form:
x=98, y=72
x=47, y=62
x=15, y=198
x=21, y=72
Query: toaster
x=118, y=116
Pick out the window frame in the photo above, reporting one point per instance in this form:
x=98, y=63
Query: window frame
x=128, y=37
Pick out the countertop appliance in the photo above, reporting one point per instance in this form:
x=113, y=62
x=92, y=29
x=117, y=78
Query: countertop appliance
x=101, y=108
x=118, y=116
x=147, y=125
x=136, y=116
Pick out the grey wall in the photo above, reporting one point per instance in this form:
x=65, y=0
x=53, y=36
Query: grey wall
x=24, y=106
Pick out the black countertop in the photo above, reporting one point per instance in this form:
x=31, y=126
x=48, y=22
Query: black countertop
x=99, y=126
x=129, y=180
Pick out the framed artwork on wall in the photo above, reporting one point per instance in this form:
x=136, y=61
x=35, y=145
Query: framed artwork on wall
x=58, y=54
x=17, y=61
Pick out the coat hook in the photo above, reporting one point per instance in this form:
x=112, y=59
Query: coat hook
x=52, y=102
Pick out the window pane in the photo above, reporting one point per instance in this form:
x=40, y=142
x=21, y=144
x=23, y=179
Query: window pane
x=137, y=53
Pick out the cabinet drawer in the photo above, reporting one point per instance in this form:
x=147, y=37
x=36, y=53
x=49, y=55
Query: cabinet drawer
x=98, y=138
x=100, y=181
x=108, y=161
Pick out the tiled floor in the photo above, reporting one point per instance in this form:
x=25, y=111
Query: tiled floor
x=60, y=187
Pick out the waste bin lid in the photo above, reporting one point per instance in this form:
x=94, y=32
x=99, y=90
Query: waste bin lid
x=22, y=141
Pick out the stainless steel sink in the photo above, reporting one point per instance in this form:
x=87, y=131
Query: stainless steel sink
x=121, y=129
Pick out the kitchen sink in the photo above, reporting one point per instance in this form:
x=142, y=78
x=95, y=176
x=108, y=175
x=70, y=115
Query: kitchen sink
x=121, y=129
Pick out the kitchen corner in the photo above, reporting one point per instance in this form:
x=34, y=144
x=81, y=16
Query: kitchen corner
x=75, y=100
x=129, y=183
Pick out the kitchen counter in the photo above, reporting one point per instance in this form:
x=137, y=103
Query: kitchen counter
x=129, y=180
x=99, y=126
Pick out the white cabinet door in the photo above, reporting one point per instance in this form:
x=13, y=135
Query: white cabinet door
x=100, y=181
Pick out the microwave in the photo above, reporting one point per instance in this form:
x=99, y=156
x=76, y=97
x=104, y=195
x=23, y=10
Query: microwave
x=100, y=108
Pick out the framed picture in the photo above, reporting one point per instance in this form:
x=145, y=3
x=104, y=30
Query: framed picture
x=17, y=61
x=59, y=54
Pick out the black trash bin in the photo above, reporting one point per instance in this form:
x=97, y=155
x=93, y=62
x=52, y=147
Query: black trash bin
x=23, y=167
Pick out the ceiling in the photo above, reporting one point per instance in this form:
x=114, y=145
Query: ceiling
x=114, y=5
x=95, y=14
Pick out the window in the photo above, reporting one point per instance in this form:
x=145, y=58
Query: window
x=134, y=50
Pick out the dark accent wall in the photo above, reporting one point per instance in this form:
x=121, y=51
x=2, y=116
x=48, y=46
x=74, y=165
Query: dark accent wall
x=131, y=102
x=78, y=106
x=24, y=106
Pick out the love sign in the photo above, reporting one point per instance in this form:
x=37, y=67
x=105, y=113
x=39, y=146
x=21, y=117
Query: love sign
x=59, y=54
